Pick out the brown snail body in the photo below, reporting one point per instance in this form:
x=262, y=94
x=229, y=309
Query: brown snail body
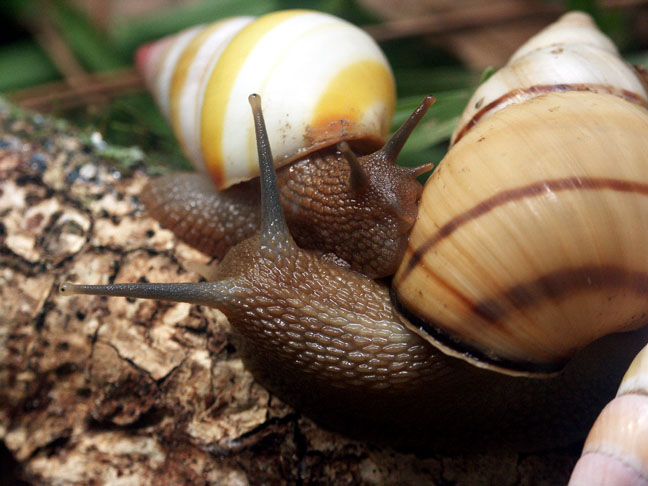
x=326, y=339
x=330, y=354
x=323, y=206
x=359, y=208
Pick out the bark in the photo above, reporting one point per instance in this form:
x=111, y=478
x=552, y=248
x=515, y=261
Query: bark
x=125, y=392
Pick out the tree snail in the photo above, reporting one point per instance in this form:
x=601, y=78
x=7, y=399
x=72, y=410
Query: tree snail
x=616, y=449
x=539, y=230
x=324, y=82
x=553, y=144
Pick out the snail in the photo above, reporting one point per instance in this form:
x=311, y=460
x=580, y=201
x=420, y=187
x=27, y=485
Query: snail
x=395, y=364
x=534, y=158
x=329, y=95
x=616, y=449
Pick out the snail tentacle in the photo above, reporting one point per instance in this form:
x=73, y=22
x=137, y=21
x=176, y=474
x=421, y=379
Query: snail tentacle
x=358, y=179
x=395, y=144
x=212, y=294
x=274, y=239
x=273, y=223
x=421, y=169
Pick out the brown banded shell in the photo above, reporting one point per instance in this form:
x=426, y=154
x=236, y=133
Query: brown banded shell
x=532, y=234
x=570, y=54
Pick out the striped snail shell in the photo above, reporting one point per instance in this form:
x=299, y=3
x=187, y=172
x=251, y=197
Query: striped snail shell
x=532, y=233
x=322, y=80
x=569, y=55
x=616, y=449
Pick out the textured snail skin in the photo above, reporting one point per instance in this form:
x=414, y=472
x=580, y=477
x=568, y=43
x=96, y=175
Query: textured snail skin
x=351, y=365
x=212, y=222
x=325, y=81
x=367, y=224
x=325, y=339
x=367, y=228
x=321, y=215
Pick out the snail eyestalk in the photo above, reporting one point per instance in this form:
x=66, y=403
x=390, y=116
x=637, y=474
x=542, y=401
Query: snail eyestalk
x=422, y=169
x=212, y=294
x=273, y=222
x=395, y=144
x=359, y=180
x=273, y=237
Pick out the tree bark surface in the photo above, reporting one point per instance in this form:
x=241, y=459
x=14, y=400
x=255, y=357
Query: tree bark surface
x=97, y=391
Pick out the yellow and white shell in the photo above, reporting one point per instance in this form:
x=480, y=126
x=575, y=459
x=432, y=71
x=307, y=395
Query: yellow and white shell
x=531, y=237
x=322, y=80
x=571, y=54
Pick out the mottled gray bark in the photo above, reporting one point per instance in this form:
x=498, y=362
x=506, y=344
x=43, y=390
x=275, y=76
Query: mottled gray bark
x=120, y=392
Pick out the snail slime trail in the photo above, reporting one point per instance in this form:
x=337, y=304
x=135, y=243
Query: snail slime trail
x=527, y=255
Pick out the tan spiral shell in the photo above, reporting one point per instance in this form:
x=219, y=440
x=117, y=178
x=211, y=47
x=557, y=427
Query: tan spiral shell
x=532, y=233
x=571, y=54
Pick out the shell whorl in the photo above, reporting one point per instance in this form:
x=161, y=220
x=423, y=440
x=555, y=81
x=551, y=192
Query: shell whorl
x=530, y=241
x=322, y=79
x=176, y=69
x=571, y=54
x=616, y=449
x=531, y=235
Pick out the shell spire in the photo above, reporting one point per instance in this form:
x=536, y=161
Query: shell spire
x=571, y=54
x=202, y=76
